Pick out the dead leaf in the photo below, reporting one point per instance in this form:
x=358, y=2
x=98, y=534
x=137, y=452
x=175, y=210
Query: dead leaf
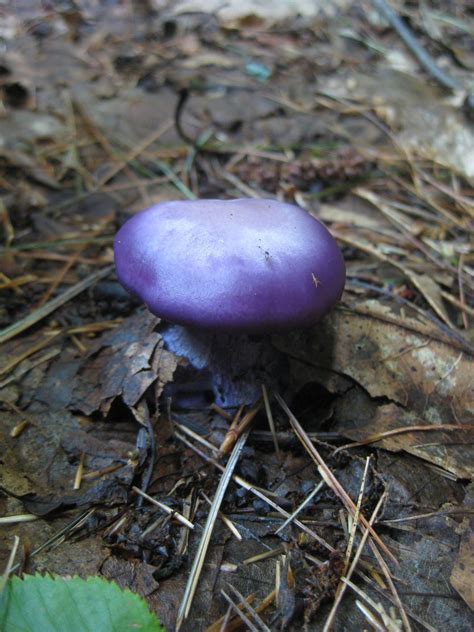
x=425, y=126
x=451, y=449
x=121, y=365
x=462, y=576
x=268, y=10
x=391, y=355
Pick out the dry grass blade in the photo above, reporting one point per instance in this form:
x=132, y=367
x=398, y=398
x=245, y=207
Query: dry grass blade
x=264, y=556
x=11, y=559
x=376, y=624
x=300, y=507
x=271, y=423
x=238, y=426
x=45, y=357
x=368, y=248
x=243, y=483
x=223, y=622
x=390, y=625
x=185, y=430
x=239, y=612
x=79, y=472
x=252, y=613
x=134, y=153
x=228, y=523
x=53, y=305
x=341, y=589
x=165, y=508
x=416, y=279
x=18, y=518
x=355, y=521
x=29, y=352
x=445, y=335
x=388, y=577
x=390, y=433
x=426, y=286
x=431, y=514
x=349, y=504
x=331, y=480
x=329, y=476
x=198, y=562
x=61, y=535
x=239, y=185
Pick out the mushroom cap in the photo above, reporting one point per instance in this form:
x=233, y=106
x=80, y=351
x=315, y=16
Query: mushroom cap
x=241, y=265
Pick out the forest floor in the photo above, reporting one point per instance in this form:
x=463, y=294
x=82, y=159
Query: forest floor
x=110, y=107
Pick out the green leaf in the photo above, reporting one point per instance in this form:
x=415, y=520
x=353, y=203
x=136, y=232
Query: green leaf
x=58, y=604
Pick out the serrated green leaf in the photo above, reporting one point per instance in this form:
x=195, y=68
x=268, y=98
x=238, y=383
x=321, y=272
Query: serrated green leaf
x=59, y=604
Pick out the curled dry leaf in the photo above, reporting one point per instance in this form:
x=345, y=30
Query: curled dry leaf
x=462, y=576
x=124, y=363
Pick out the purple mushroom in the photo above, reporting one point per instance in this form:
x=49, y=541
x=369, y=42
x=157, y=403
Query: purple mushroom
x=221, y=269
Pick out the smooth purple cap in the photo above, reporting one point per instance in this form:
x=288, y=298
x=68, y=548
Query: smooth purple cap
x=231, y=265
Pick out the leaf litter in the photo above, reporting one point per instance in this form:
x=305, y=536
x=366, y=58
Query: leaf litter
x=125, y=106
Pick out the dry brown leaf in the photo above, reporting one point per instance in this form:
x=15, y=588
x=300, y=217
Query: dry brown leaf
x=450, y=449
x=427, y=381
x=125, y=363
x=462, y=576
x=232, y=11
x=391, y=355
x=425, y=125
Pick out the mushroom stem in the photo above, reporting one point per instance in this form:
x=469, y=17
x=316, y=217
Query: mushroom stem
x=238, y=363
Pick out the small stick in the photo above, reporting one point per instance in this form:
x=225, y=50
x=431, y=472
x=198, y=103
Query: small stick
x=265, y=556
x=106, y=470
x=228, y=523
x=238, y=426
x=340, y=592
x=390, y=433
x=79, y=471
x=18, y=518
x=271, y=423
x=249, y=609
x=410, y=41
x=300, y=507
x=165, y=508
x=218, y=625
x=355, y=521
x=462, y=298
x=8, y=568
x=220, y=411
x=239, y=612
